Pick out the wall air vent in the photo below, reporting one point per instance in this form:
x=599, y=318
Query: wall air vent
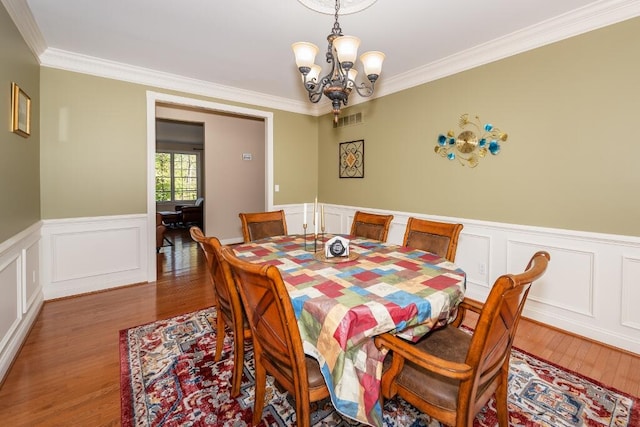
x=352, y=119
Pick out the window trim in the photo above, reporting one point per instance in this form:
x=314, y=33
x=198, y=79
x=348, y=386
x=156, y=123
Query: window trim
x=171, y=152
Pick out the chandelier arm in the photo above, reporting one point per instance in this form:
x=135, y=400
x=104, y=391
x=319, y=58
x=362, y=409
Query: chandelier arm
x=314, y=97
x=315, y=89
x=363, y=90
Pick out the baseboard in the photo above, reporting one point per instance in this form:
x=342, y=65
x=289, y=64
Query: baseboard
x=10, y=350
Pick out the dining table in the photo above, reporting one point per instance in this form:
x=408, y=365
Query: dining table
x=342, y=303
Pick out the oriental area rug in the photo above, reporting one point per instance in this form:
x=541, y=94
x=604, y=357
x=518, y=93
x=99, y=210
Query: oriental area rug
x=169, y=378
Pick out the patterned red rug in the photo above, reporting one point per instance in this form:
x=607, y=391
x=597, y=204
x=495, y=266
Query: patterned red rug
x=169, y=378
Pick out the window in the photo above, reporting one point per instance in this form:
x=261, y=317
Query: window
x=176, y=177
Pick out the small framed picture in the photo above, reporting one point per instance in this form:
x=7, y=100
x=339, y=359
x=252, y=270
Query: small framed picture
x=352, y=159
x=20, y=111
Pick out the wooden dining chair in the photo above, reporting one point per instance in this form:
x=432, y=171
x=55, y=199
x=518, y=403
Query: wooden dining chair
x=439, y=238
x=371, y=226
x=450, y=374
x=229, y=310
x=258, y=225
x=276, y=338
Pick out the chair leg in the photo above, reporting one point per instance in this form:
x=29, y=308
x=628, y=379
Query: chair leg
x=238, y=363
x=303, y=415
x=219, y=336
x=501, y=402
x=260, y=391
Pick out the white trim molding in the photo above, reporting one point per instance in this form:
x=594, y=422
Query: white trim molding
x=596, y=15
x=27, y=26
x=82, y=255
x=153, y=98
x=589, y=289
x=591, y=17
x=21, y=291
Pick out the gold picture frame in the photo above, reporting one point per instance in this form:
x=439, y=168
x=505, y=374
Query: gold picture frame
x=20, y=111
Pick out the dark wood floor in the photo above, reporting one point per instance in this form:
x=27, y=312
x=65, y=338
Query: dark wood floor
x=68, y=373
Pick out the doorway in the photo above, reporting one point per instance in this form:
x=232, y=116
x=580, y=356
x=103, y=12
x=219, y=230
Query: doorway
x=179, y=188
x=153, y=100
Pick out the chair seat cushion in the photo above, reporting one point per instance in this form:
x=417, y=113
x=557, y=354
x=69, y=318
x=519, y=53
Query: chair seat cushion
x=316, y=380
x=448, y=343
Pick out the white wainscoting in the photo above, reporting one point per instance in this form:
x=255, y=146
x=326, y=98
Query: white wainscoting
x=82, y=255
x=591, y=288
x=21, y=291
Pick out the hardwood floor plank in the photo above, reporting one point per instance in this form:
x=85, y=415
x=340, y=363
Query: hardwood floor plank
x=629, y=372
x=68, y=370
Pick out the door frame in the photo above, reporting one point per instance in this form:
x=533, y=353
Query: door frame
x=155, y=97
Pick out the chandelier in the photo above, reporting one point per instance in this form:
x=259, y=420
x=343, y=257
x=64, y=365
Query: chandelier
x=341, y=55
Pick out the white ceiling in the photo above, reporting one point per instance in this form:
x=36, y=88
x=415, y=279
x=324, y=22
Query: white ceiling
x=215, y=47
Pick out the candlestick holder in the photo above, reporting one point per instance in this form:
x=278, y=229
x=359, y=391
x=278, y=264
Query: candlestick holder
x=315, y=242
x=304, y=227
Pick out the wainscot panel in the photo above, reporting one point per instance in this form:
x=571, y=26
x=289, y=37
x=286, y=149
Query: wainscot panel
x=589, y=289
x=630, y=292
x=20, y=290
x=82, y=255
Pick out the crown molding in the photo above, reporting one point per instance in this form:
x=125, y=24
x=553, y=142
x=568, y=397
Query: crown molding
x=579, y=21
x=69, y=61
x=21, y=15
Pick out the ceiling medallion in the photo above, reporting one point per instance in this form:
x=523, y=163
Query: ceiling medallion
x=346, y=6
x=472, y=143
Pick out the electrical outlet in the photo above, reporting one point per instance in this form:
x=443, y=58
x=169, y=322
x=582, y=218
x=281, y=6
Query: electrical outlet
x=482, y=269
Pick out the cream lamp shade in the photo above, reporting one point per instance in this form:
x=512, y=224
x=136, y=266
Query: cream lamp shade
x=305, y=54
x=372, y=62
x=347, y=48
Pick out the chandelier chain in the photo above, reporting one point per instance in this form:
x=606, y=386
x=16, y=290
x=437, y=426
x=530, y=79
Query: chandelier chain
x=336, y=25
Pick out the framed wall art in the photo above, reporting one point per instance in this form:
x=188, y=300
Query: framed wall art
x=20, y=111
x=351, y=159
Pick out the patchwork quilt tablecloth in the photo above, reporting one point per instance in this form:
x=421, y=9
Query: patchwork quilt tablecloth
x=340, y=307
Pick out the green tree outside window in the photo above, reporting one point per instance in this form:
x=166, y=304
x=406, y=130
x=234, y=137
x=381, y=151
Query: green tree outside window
x=176, y=177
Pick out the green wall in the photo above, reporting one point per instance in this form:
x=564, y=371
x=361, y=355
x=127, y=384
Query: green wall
x=19, y=158
x=95, y=141
x=571, y=110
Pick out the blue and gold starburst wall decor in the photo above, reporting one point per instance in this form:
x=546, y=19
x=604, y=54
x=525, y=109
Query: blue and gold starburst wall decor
x=472, y=143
